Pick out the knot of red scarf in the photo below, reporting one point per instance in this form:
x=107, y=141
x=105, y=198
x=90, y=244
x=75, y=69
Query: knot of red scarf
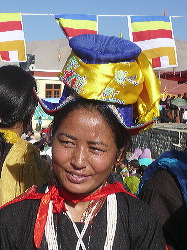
x=58, y=196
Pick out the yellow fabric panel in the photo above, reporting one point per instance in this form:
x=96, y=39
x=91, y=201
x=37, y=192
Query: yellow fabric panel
x=22, y=169
x=78, y=24
x=18, y=45
x=153, y=25
x=149, y=98
x=162, y=51
x=125, y=83
x=98, y=77
x=5, y=17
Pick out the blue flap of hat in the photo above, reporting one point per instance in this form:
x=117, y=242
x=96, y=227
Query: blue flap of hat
x=100, y=49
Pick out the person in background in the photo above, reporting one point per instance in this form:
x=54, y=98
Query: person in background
x=118, y=173
x=174, y=111
x=91, y=132
x=124, y=169
x=163, y=187
x=135, y=155
x=184, y=116
x=20, y=163
x=168, y=100
x=132, y=182
x=120, y=166
x=140, y=171
x=145, y=158
x=39, y=123
x=166, y=115
x=185, y=96
x=125, y=173
x=43, y=154
x=133, y=166
x=30, y=136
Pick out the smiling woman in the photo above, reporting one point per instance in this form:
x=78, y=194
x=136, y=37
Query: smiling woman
x=85, y=152
x=80, y=208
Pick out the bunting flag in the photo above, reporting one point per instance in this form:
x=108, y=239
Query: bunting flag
x=154, y=35
x=12, y=42
x=77, y=24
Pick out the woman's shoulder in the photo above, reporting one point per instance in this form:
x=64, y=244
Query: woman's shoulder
x=136, y=212
x=22, y=148
x=160, y=179
x=21, y=145
x=131, y=203
x=162, y=184
x=21, y=205
x=17, y=217
x=17, y=221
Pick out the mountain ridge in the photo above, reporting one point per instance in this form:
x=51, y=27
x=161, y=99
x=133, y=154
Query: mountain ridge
x=47, y=53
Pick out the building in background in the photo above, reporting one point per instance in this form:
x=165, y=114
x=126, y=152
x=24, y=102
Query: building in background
x=49, y=89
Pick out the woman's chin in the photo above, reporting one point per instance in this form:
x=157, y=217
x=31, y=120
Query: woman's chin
x=80, y=189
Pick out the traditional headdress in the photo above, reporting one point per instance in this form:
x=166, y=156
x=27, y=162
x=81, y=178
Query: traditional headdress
x=115, y=71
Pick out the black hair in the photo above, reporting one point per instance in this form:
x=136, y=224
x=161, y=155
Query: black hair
x=141, y=169
x=122, y=138
x=17, y=101
x=4, y=149
x=134, y=163
x=2, y=144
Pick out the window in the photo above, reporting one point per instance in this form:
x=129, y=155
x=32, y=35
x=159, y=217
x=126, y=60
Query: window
x=53, y=90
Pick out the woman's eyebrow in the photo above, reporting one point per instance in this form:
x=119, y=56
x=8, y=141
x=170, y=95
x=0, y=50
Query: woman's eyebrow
x=67, y=135
x=89, y=142
x=97, y=143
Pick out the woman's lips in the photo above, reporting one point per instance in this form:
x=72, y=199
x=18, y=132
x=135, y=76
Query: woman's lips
x=77, y=179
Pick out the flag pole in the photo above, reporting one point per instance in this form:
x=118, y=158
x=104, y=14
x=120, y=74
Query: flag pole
x=97, y=24
x=164, y=12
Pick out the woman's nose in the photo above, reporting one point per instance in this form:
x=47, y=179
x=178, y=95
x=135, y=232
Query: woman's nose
x=79, y=157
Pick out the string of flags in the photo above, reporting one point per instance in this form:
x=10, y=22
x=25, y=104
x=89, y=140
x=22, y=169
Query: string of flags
x=153, y=34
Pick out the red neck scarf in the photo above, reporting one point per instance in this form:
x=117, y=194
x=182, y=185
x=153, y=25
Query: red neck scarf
x=58, y=196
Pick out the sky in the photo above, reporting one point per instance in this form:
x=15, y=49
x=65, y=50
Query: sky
x=44, y=27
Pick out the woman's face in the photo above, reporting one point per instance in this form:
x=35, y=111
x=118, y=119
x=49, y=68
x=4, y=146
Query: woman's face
x=84, y=151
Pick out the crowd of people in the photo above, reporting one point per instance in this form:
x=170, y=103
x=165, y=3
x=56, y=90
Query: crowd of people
x=133, y=167
x=92, y=193
x=43, y=142
x=173, y=113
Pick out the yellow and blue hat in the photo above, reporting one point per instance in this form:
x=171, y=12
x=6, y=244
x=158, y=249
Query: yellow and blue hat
x=115, y=71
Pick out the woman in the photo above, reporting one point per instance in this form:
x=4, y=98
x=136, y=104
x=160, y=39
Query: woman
x=136, y=155
x=20, y=164
x=133, y=167
x=145, y=158
x=83, y=210
x=163, y=187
